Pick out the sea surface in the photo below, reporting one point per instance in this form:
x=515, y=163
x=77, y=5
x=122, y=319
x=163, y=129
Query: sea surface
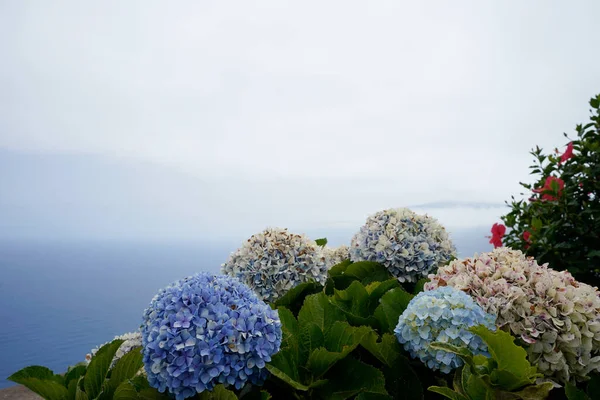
x=58, y=300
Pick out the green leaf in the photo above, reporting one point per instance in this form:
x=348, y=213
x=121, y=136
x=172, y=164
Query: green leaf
x=287, y=363
x=296, y=296
x=74, y=373
x=391, y=306
x=339, y=269
x=79, y=392
x=474, y=386
x=321, y=242
x=377, y=289
x=218, y=393
x=593, y=387
x=349, y=377
x=341, y=340
x=447, y=392
x=47, y=388
x=354, y=301
x=152, y=394
x=98, y=368
x=420, y=286
x=373, y=396
x=35, y=371
x=72, y=389
x=140, y=383
x=387, y=350
x=401, y=379
x=513, y=369
x=284, y=377
x=573, y=393
x=125, y=391
x=368, y=271
x=290, y=330
x=127, y=366
x=310, y=338
x=535, y=392
x=319, y=311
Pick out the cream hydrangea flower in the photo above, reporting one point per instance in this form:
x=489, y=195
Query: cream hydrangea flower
x=131, y=340
x=556, y=317
x=274, y=261
x=409, y=245
x=335, y=255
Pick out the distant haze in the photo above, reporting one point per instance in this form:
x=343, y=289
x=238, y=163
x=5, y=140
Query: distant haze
x=192, y=121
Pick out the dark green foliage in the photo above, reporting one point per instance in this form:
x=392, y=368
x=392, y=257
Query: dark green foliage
x=565, y=232
x=505, y=375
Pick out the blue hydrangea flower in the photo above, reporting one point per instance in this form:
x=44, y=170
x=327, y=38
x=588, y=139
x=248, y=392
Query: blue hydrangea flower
x=274, y=261
x=442, y=315
x=204, y=330
x=409, y=245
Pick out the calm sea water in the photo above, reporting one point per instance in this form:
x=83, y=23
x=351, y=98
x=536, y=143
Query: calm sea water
x=60, y=300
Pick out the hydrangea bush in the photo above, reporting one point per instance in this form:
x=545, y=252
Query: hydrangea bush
x=442, y=315
x=557, y=318
x=205, y=330
x=130, y=341
x=335, y=255
x=410, y=245
x=274, y=261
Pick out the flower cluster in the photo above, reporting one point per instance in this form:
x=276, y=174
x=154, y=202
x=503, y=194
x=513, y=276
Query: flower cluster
x=335, y=255
x=409, y=245
x=274, y=261
x=442, y=315
x=557, y=318
x=498, y=231
x=552, y=188
x=130, y=341
x=204, y=330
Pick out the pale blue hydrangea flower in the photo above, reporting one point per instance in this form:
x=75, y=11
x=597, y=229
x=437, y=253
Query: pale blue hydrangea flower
x=442, y=315
x=274, y=261
x=409, y=245
x=204, y=330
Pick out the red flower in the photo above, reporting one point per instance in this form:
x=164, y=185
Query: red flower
x=548, y=188
x=567, y=154
x=498, y=230
x=526, y=237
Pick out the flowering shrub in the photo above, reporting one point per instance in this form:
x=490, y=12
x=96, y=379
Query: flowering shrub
x=409, y=245
x=557, y=318
x=205, y=330
x=441, y=315
x=561, y=209
x=336, y=255
x=130, y=341
x=498, y=231
x=274, y=261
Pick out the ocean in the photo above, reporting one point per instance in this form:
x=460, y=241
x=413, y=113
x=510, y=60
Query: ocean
x=58, y=300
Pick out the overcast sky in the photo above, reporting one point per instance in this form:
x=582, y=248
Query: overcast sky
x=295, y=113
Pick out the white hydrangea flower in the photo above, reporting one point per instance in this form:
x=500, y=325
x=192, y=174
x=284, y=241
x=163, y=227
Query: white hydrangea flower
x=409, y=245
x=335, y=255
x=274, y=261
x=556, y=317
x=131, y=340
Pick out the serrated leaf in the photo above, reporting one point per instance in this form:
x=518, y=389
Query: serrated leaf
x=98, y=368
x=387, y=350
x=321, y=360
x=354, y=300
x=79, y=391
x=127, y=366
x=140, y=383
x=474, y=386
x=72, y=389
x=296, y=296
x=447, y=392
x=311, y=337
x=319, y=311
x=321, y=242
x=574, y=393
x=218, y=393
x=391, y=305
x=513, y=369
x=284, y=360
x=339, y=269
x=38, y=372
x=47, y=388
x=286, y=378
x=289, y=329
x=74, y=373
x=535, y=392
x=380, y=289
x=368, y=271
x=125, y=391
x=349, y=377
